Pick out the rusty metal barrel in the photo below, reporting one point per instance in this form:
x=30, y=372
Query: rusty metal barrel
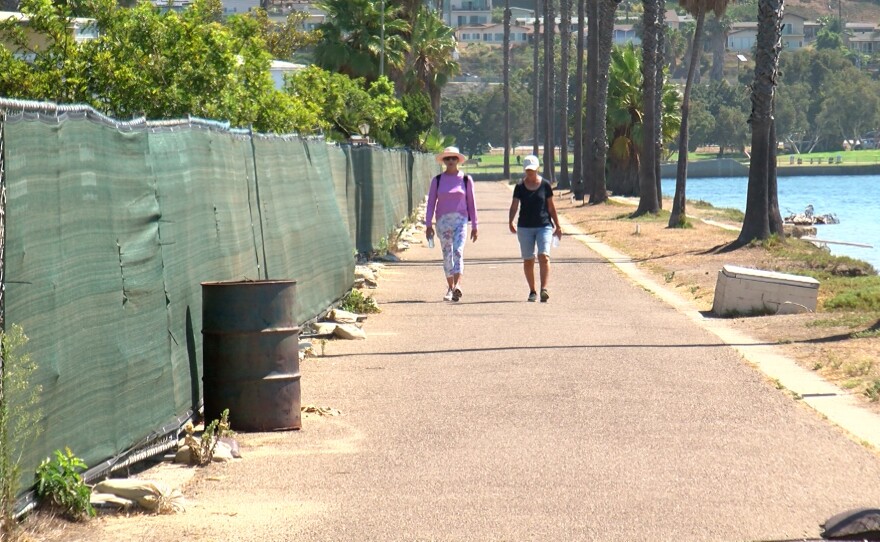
x=251, y=354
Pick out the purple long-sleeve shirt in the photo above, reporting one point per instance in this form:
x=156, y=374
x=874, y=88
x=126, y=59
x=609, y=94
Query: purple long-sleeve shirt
x=451, y=198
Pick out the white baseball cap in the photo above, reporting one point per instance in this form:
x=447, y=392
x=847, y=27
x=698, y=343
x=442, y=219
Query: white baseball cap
x=531, y=162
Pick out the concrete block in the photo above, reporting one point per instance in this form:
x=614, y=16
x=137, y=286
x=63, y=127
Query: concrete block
x=741, y=290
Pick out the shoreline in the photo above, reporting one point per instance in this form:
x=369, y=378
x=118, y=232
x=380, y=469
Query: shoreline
x=727, y=167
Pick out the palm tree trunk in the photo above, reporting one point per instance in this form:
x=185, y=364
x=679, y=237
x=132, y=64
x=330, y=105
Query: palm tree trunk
x=648, y=197
x=658, y=97
x=506, y=70
x=776, y=224
x=756, y=222
x=599, y=142
x=719, y=45
x=578, y=169
x=679, y=201
x=536, y=116
x=550, y=160
x=547, y=113
x=588, y=157
x=565, y=44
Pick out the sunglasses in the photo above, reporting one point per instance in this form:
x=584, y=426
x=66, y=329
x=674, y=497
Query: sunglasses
x=454, y=158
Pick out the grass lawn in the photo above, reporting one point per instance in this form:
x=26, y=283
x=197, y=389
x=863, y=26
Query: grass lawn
x=494, y=163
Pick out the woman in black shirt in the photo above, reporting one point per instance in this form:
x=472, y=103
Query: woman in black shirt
x=536, y=226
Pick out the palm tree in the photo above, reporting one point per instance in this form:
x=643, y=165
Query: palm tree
x=625, y=118
x=697, y=8
x=626, y=121
x=506, y=70
x=432, y=45
x=577, y=170
x=762, y=218
x=565, y=44
x=351, y=38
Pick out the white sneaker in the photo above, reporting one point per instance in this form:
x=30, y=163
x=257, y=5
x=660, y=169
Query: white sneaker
x=448, y=296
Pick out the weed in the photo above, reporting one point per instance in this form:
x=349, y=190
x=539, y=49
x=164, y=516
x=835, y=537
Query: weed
x=766, y=311
x=669, y=276
x=382, y=249
x=683, y=223
x=693, y=289
x=850, y=384
x=858, y=368
x=354, y=301
x=203, y=449
x=867, y=334
x=873, y=391
x=846, y=320
x=777, y=384
x=19, y=414
x=61, y=485
x=817, y=365
x=771, y=242
x=323, y=343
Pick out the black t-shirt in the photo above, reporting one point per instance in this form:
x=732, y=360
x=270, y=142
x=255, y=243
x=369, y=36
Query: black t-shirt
x=533, y=212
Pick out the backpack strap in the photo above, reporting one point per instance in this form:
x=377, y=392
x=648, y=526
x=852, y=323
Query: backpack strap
x=437, y=183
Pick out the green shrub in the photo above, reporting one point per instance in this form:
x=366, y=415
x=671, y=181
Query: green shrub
x=354, y=301
x=864, y=299
x=61, y=485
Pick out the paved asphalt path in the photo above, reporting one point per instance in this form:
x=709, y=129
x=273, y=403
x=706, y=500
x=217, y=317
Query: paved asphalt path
x=601, y=415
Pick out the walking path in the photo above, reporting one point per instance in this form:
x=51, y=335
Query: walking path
x=606, y=414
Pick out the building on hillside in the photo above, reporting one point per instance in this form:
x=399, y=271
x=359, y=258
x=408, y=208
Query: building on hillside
x=280, y=9
x=743, y=35
x=863, y=37
x=235, y=7
x=493, y=34
x=172, y=5
x=81, y=28
x=676, y=21
x=457, y=13
x=625, y=33
x=280, y=68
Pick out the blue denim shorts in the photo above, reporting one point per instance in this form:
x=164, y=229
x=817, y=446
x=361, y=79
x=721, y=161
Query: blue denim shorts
x=529, y=237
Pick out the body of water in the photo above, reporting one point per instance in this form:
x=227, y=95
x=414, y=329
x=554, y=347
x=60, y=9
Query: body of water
x=854, y=199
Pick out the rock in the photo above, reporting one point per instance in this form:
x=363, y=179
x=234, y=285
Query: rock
x=324, y=328
x=183, y=455
x=364, y=272
x=343, y=317
x=349, y=331
x=856, y=524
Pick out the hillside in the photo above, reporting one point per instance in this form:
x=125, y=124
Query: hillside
x=852, y=10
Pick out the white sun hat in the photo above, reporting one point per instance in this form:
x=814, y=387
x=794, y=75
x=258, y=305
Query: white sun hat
x=451, y=151
x=531, y=162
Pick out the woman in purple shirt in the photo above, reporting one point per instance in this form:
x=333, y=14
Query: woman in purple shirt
x=451, y=200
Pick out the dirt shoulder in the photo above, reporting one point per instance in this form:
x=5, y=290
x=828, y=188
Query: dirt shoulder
x=842, y=347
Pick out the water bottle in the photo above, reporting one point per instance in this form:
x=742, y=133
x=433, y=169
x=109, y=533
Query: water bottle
x=431, y=242
x=555, y=241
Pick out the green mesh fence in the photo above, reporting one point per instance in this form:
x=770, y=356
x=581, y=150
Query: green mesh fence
x=111, y=227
